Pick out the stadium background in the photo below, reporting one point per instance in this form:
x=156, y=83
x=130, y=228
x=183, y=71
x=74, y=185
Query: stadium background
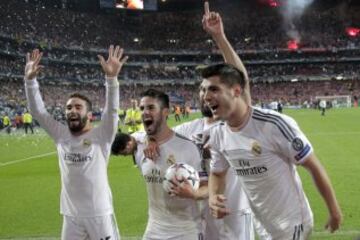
x=289, y=59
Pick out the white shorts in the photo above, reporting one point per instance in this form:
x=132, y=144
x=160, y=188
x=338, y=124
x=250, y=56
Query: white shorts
x=236, y=227
x=260, y=230
x=297, y=232
x=159, y=230
x=92, y=228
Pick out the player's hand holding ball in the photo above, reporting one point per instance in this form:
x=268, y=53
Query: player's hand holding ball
x=181, y=180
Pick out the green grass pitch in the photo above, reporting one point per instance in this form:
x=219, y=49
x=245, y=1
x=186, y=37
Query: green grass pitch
x=30, y=182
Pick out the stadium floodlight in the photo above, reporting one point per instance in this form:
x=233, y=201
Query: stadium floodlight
x=339, y=77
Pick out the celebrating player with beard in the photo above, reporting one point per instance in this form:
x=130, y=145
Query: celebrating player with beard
x=83, y=151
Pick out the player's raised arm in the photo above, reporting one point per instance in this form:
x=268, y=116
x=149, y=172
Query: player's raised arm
x=33, y=96
x=111, y=67
x=213, y=25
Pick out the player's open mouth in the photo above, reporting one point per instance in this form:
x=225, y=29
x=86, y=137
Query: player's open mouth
x=73, y=118
x=214, y=108
x=148, y=122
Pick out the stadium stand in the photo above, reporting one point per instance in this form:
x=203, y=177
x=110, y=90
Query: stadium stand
x=169, y=52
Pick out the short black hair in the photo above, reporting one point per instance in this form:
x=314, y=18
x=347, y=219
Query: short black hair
x=228, y=74
x=82, y=97
x=119, y=143
x=162, y=97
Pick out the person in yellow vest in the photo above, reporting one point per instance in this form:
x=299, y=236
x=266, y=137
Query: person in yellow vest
x=133, y=119
x=121, y=114
x=7, y=123
x=27, y=118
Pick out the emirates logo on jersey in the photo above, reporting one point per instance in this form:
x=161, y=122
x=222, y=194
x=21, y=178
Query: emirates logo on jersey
x=256, y=148
x=76, y=158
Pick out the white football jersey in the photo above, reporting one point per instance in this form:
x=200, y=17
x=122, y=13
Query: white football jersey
x=198, y=130
x=169, y=217
x=264, y=155
x=83, y=159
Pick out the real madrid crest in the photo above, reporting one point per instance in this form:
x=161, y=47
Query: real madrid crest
x=171, y=159
x=86, y=142
x=256, y=148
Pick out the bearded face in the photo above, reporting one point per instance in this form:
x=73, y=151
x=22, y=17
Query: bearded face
x=76, y=114
x=153, y=115
x=76, y=122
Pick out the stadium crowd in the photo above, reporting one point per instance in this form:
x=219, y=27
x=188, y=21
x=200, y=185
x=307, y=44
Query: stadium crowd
x=53, y=27
x=326, y=64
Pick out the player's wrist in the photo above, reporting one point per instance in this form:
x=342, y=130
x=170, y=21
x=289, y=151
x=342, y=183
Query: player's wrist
x=219, y=37
x=29, y=78
x=335, y=212
x=111, y=81
x=32, y=83
x=110, y=78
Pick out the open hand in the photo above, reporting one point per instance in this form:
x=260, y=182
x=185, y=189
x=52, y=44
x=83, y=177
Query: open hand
x=32, y=67
x=112, y=66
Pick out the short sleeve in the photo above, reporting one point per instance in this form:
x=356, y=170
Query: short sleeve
x=218, y=162
x=291, y=141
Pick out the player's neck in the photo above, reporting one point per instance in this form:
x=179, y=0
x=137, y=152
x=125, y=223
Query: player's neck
x=164, y=135
x=87, y=128
x=239, y=118
x=210, y=120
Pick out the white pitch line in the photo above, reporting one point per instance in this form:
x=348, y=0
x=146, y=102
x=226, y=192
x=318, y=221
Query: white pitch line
x=339, y=233
x=332, y=133
x=26, y=159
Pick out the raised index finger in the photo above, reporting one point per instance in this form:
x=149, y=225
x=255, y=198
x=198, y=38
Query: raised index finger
x=206, y=8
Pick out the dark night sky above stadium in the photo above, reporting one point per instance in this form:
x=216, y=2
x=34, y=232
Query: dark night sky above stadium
x=176, y=5
x=179, y=5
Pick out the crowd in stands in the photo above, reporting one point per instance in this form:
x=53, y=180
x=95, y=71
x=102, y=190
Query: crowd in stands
x=12, y=98
x=246, y=28
x=169, y=52
x=176, y=73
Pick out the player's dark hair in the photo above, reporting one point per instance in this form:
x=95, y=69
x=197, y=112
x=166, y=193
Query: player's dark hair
x=228, y=74
x=119, y=143
x=162, y=97
x=83, y=97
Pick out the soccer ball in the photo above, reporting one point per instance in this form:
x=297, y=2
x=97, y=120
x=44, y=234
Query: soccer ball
x=181, y=171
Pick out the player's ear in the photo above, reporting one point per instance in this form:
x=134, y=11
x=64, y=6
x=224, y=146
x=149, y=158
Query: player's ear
x=128, y=148
x=89, y=115
x=237, y=90
x=166, y=111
